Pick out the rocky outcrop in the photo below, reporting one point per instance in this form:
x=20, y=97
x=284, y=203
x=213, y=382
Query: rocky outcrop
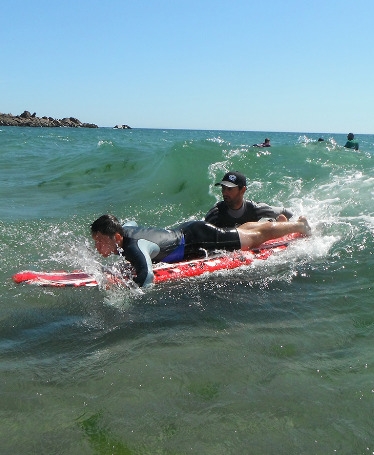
x=27, y=119
x=122, y=127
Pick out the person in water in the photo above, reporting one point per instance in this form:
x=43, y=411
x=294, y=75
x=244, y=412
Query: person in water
x=266, y=143
x=351, y=143
x=142, y=246
x=235, y=210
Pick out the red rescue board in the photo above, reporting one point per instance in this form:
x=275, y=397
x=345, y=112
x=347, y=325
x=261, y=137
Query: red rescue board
x=163, y=272
x=56, y=279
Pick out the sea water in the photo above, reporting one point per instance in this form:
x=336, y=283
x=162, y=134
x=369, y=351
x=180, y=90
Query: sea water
x=274, y=358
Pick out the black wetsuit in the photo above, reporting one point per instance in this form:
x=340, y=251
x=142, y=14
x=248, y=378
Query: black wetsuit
x=142, y=245
x=221, y=216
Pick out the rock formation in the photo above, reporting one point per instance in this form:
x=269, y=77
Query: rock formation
x=122, y=127
x=27, y=119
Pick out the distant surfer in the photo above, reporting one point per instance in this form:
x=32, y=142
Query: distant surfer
x=142, y=246
x=235, y=210
x=351, y=143
x=266, y=143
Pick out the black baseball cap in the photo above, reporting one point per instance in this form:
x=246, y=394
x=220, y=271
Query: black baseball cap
x=232, y=179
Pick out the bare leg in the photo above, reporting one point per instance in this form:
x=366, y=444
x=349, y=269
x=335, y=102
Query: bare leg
x=251, y=237
x=254, y=224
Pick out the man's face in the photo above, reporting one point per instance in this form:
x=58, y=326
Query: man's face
x=233, y=196
x=104, y=244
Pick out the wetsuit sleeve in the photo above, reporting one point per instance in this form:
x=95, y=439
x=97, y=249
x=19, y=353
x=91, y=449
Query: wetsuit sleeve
x=212, y=216
x=136, y=253
x=219, y=216
x=267, y=211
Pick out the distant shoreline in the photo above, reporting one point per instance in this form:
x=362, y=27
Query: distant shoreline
x=28, y=119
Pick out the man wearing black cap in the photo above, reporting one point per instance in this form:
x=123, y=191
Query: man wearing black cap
x=234, y=210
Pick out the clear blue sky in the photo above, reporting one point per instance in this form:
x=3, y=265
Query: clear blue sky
x=270, y=65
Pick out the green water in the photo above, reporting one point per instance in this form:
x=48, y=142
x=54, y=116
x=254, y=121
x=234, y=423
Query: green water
x=275, y=358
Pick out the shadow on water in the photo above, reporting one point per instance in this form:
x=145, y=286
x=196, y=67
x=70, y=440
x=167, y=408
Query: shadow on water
x=100, y=437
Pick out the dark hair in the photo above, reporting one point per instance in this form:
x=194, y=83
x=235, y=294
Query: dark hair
x=107, y=225
x=350, y=136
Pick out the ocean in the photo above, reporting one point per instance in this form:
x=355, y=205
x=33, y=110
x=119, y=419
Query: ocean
x=273, y=358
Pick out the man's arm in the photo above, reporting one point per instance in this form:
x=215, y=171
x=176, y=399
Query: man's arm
x=212, y=216
x=267, y=211
x=220, y=217
x=138, y=253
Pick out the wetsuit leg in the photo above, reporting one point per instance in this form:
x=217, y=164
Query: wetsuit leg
x=199, y=234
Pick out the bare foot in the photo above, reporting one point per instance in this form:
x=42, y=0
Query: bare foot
x=282, y=218
x=306, y=228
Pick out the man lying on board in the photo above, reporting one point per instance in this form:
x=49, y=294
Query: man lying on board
x=141, y=245
x=266, y=143
x=234, y=210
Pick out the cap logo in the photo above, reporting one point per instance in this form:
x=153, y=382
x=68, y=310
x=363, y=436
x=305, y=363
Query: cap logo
x=232, y=178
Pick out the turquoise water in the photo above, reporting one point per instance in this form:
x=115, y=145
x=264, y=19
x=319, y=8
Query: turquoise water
x=276, y=358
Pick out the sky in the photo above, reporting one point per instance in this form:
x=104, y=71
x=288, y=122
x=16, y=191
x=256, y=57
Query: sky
x=242, y=65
